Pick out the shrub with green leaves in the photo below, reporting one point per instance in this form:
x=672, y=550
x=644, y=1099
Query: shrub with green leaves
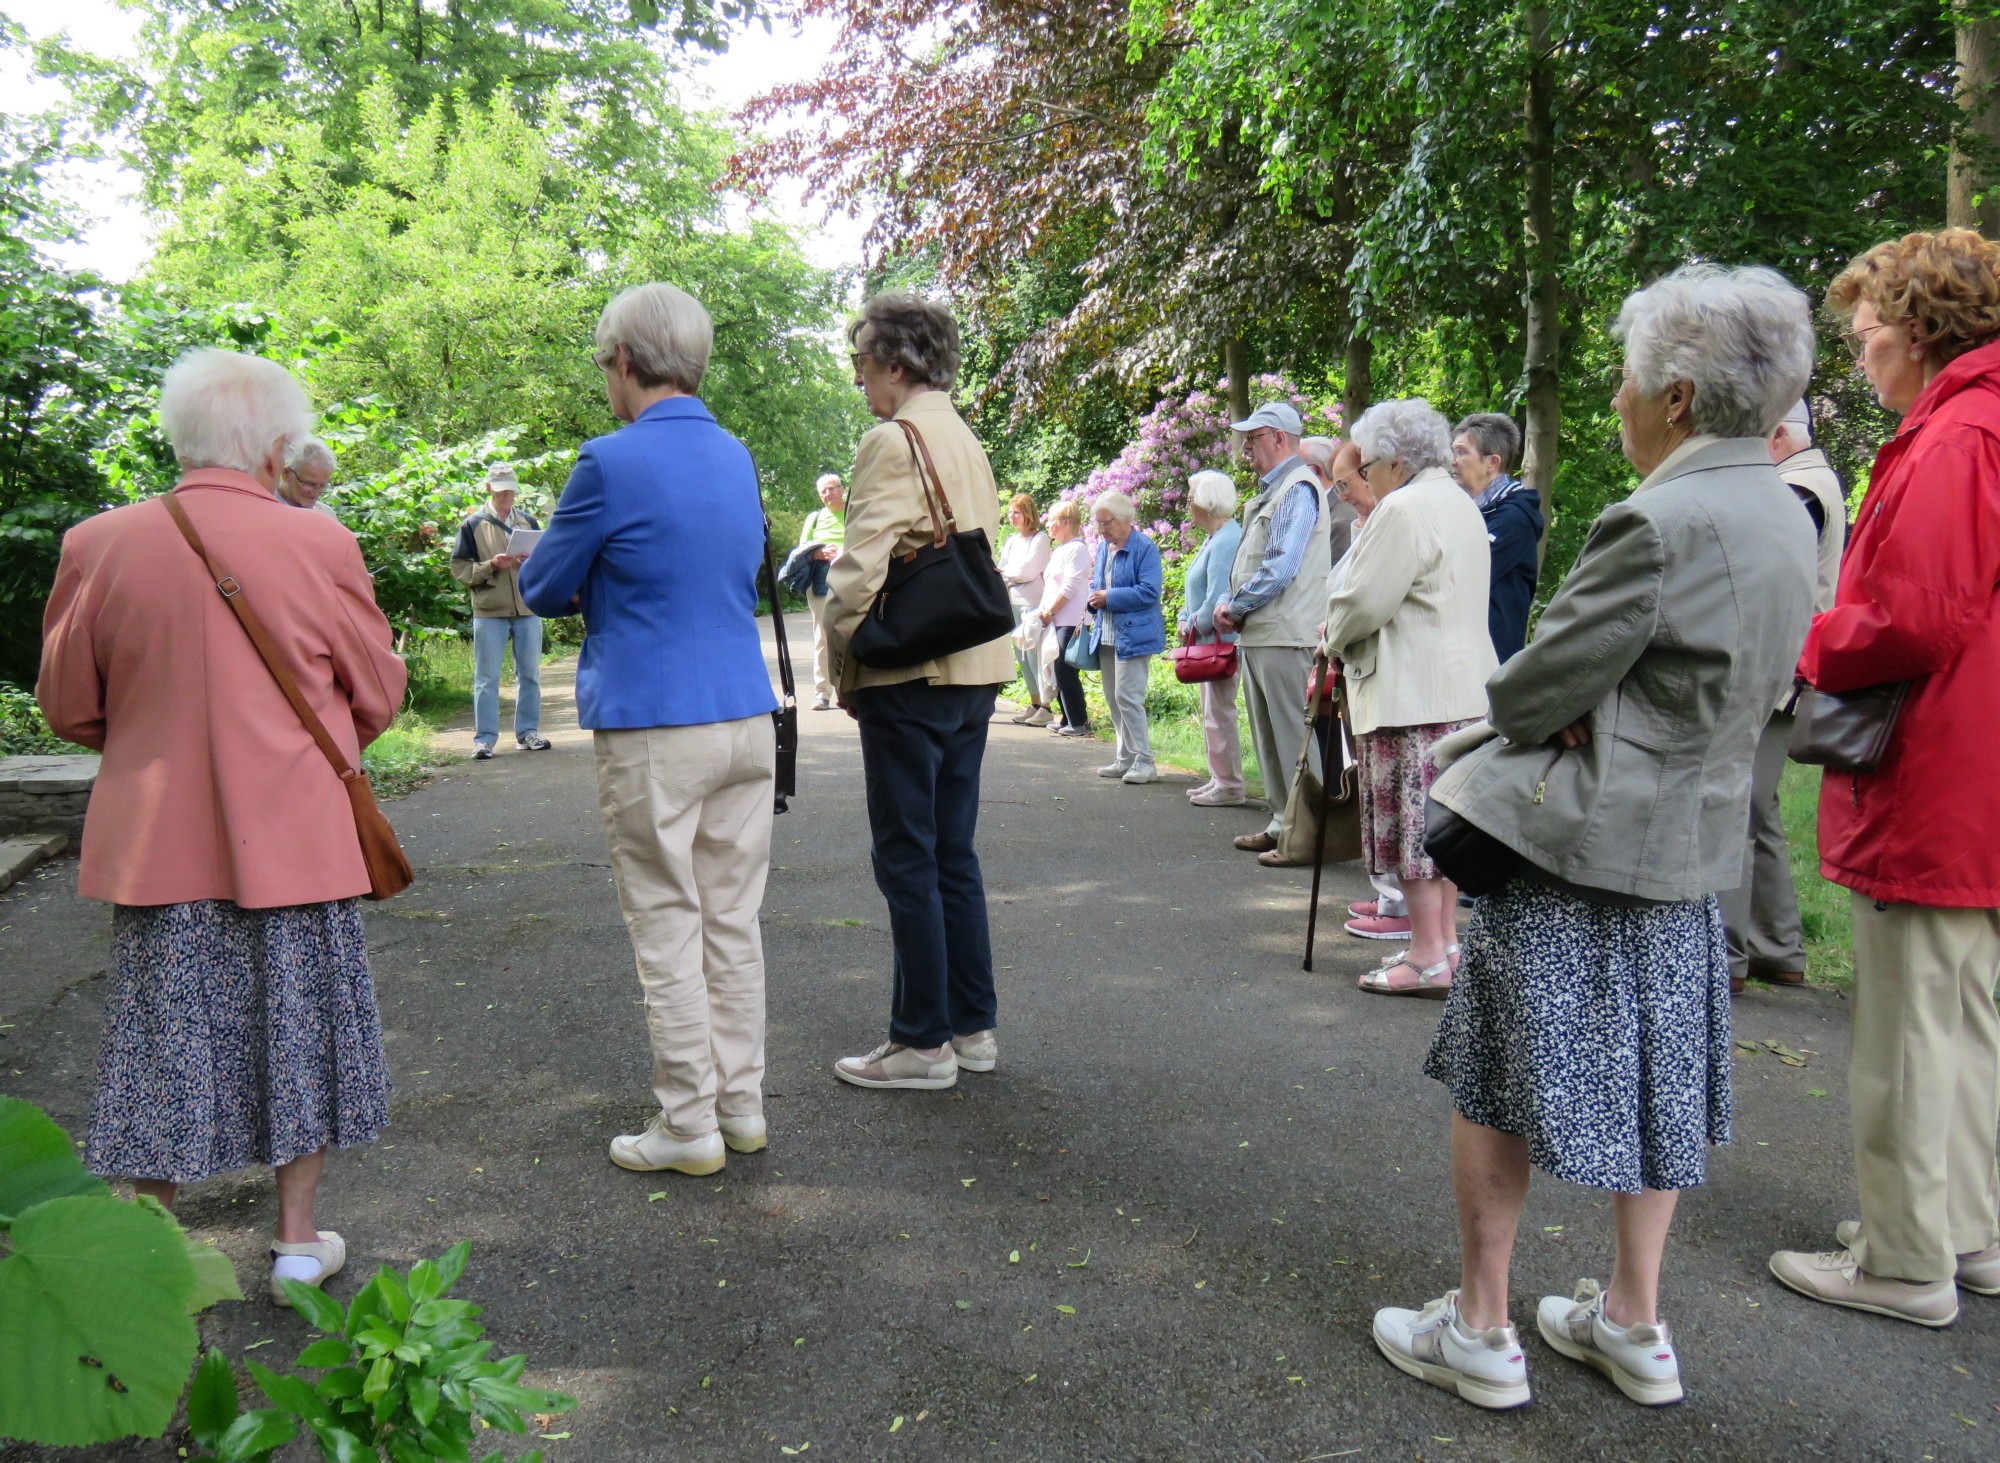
x=406, y=1377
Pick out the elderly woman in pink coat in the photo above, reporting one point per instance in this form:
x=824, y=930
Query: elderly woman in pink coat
x=240, y=1021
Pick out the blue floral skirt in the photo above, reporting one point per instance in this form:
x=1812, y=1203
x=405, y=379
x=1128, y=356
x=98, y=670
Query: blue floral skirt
x=1599, y=1033
x=235, y=1037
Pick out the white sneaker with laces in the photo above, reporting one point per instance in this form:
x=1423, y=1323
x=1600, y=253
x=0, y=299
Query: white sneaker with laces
x=1485, y=1368
x=894, y=1065
x=1114, y=770
x=979, y=1052
x=656, y=1150
x=745, y=1134
x=1638, y=1358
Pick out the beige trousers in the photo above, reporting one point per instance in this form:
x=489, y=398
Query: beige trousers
x=1274, y=698
x=822, y=682
x=1221, y=738
x=1924, y=1085
x=687, y=812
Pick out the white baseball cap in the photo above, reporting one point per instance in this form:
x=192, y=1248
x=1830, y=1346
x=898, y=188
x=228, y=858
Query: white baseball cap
x=1275, y=414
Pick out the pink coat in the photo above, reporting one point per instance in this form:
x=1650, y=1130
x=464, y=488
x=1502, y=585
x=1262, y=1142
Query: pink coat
x=211, y=788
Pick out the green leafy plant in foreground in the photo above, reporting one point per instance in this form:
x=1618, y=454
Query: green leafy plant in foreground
x=405, y=1377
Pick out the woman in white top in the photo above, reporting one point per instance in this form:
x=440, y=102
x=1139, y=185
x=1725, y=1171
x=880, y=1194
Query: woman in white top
x=1023, y=558
x=1065, y=586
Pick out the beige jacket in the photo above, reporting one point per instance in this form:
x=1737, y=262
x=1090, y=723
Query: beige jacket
x=496, y=593
x=886, y=516
x=1288, y=618
x=1808, y=471
x=1409, y=619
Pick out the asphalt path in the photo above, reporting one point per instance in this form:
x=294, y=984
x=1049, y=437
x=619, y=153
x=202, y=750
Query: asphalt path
x=1158, y=1231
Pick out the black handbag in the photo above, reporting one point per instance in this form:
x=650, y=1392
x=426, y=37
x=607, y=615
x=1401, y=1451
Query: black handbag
x=785, y=782
x=1465, y=853
x=939, y=598
x=1845, y=731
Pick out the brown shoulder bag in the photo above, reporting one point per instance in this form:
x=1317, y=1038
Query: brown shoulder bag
x=388, y=869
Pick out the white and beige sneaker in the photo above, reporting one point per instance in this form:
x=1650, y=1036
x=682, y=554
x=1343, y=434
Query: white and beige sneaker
x=1837, y=1278
x=1978, y=1270
x=657, y=1150
x=1485, y=1368
x=894, y=1065
x=744, y=1134
x=1638, y=1358
x=979, y=1052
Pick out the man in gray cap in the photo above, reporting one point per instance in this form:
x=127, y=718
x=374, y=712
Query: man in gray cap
x=1273, y=606
x=500, y=617
x=1760, y=916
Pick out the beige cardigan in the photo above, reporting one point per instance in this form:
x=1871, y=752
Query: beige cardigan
x=1409, y=620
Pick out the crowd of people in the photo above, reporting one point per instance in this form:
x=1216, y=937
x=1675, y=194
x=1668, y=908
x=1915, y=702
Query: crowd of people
x=1618, y=768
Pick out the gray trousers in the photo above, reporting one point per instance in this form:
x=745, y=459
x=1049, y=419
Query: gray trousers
x=1761, y=915
x=1274, y=695
x=1125, y=690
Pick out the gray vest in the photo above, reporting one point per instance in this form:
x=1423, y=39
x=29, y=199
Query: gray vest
x=1292, y=617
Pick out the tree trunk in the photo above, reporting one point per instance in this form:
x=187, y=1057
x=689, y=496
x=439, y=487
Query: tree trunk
x=1357, y=386
x=1971, y=199
x=1236, y=366
x=1544, y=333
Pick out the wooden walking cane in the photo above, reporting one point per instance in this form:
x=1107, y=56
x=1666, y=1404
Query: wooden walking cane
x=1325, y=803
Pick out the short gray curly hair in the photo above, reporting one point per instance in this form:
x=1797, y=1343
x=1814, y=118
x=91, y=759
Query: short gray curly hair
x=311, y=453
x=1212, y=492
x=905, y=329
x=1744, y=337
x=1411, y=429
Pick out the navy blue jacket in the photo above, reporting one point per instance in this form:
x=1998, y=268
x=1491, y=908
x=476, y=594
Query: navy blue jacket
x=661, y=531
x=1513, y=517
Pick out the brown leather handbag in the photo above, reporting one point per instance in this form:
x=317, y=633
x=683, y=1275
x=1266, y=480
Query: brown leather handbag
x=1845, y=731
x=389, y=871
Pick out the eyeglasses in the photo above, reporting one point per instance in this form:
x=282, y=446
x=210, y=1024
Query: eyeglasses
x=1363, y=469
x=1857, y=340
x=857, y=358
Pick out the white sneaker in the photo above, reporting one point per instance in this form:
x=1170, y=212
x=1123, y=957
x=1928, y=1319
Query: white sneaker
x=1199, y=789
x=1038, y=717
x=1639, y=1358
x=895, y=1065
x=744, y=1135
x=1114, y=770
x=1139, y=774
x=1485, y=1368
x=656, y=1149
x=979, y=1052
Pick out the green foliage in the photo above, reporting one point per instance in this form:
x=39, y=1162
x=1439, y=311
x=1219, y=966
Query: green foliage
x=404, y=1376
x=98, y=1295
x=23, y=730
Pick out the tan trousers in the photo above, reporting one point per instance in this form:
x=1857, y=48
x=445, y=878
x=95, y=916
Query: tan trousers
x=687, y=812
x=1274, y=698
x=1924, y=1085
x=822, y=682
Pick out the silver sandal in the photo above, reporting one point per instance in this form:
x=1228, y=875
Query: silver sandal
x=1376, y=982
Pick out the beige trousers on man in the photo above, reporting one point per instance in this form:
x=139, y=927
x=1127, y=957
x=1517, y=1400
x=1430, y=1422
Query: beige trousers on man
x=687, y=812
x=1274, y=698
x=1924, y=1085
x=822, y=682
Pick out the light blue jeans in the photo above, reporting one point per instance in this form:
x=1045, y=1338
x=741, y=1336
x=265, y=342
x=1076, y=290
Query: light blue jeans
x=490, y=635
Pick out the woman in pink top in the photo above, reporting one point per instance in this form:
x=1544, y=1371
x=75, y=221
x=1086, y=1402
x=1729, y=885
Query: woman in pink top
x=240, y=1020
x=1065, y=586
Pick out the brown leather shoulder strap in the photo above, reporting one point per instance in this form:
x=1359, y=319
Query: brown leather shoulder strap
x=927, y=475
x=233, y=596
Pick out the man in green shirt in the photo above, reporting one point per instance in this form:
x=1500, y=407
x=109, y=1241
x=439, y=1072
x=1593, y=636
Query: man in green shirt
x=827, y=527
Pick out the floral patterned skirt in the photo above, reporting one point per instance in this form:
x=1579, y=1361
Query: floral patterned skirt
x=235, y=1037
x=1396, y=771
x=1598, y=1032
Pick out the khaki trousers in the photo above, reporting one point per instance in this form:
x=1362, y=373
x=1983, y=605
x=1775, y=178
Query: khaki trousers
x=1274, y=698
x=822, y=682
x=687, y=812
x=1924, y=1085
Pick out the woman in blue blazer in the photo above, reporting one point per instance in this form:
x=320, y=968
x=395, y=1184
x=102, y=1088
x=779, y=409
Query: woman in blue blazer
x=1127, y=631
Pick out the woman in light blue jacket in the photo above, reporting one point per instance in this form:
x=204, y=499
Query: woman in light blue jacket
x=1127, y=631
x=1212, y=506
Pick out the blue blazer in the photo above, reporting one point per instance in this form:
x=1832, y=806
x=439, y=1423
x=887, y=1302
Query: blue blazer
x=1132, y=597
x=1207, y=582
x=661, y=531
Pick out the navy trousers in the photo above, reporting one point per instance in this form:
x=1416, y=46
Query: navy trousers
x=921, y=751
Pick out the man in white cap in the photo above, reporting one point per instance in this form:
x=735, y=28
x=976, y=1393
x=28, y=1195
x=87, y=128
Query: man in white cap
x=1273, y=606
x=1760, y=916
x=500, y=617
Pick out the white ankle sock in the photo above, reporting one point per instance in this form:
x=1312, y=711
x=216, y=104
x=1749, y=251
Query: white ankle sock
x=296, y=1267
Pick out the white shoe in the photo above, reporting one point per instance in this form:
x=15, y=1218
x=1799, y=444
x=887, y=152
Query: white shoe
x=297, y=1261
x=656, y=1149
x=1114, y=770
x=1214, y=797
x=894, y=1065
x=1197, y=791
x=1639, y=1358
x=744, y=1135
x=1485, y=1368
x=979, y=1052
x=1038, y=717
x=1139, y=774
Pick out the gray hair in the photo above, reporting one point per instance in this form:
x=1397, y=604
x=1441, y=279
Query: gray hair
x=907, y=330
x=1213, y=492
x=666, y=334
x=1744, y=337
x=1116, y=504
x=1492, y=434
x=223, y=409
x=819, y=483
x=311, y=453
x=1318, y=451
x=1410, y=429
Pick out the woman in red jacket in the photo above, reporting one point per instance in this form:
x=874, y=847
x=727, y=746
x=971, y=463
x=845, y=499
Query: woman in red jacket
x=1919, y=601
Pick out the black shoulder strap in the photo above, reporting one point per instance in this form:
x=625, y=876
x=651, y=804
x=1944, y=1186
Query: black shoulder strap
x=786, y=685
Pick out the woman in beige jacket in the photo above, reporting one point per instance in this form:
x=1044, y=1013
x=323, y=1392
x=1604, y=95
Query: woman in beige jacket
x=1408, y=626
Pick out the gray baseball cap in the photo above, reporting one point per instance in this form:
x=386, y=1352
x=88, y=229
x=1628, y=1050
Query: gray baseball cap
x=1275, y=414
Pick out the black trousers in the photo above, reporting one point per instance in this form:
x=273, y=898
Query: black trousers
x=1069, y=682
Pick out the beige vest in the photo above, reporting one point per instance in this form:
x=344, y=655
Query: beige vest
x=1809, y=471
x=1291, y=617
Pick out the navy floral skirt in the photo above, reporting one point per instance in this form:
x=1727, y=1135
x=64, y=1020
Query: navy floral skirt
x=235, y=1037
x=1599, y=1033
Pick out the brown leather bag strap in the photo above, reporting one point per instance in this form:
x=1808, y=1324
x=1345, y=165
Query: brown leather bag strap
x=232, y=594
x=927, y=474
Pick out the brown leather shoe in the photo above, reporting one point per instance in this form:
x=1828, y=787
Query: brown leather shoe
x=1258, y=842
x=1775, y=975
x=1270, y=858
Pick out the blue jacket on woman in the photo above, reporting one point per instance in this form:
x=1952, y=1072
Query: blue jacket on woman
x=1132, y=585
x=661, y=531
x=1207, y=582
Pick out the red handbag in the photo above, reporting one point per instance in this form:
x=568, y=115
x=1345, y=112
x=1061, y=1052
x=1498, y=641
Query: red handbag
x=1212, y=660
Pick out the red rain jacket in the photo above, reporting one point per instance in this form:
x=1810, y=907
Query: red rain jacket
x=1919, y=600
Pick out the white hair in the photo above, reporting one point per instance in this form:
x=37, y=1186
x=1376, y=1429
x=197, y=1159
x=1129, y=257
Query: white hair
x=666, y=334
x=821, y=483
x=1213, y=492
x=1116, y=504
x=1318, y=450
x=1410, y=429
x=222, y=409
x=1744, y=337
x=311, y=453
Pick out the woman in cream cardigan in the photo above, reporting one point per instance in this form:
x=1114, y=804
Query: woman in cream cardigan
x=1408, y=626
